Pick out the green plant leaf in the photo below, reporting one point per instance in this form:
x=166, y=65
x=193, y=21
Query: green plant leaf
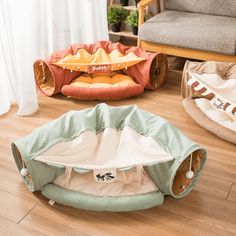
x=116, y=14
x=132, y=18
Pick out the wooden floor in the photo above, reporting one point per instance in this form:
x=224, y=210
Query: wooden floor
x=210, y=209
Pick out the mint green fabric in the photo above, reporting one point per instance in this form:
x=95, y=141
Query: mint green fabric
x=163, y=175
x=73, y=123
x=40, y=173
x=89, y=202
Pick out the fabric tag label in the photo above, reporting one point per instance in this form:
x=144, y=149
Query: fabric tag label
x=218, y=103
x=104, y=175
x=98, y=68
x=51, y=202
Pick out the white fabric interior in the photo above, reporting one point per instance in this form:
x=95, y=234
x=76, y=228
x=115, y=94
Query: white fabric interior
x=109, y=149
x=223, y=88
x=132, y=182
x=218, y=116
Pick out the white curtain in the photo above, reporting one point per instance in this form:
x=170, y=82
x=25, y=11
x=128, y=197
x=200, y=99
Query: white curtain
x=32, y=29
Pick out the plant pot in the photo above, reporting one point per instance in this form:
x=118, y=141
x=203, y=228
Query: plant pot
x=136, y=2
x=116, y=27
x=124, y=2
x=135, y=30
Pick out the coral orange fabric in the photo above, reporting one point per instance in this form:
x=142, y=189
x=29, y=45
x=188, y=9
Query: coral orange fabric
x=116, y=56
x=111, y=93
x=101, y=80
x=102, y=87
x=100, y=61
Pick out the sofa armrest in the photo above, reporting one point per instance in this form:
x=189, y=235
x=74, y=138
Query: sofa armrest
x=141, y=8
x=144, y=3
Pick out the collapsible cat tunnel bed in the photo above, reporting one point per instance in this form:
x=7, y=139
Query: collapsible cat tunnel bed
x=102, y=71
x=209, y=91
x=109, y=159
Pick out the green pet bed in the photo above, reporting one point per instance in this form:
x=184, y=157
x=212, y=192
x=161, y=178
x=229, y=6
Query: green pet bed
x=109, y=159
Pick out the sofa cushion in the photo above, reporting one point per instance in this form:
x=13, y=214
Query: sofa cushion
x=191, y=30
x=212, y=7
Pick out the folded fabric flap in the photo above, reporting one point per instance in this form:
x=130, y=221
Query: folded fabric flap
x=223, y=70
x=111, y=148
x=99, y=61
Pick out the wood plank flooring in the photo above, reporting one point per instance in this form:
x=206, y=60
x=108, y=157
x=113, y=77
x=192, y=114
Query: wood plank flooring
x=210, y=209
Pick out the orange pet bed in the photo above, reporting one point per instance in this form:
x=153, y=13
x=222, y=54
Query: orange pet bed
x=102, y=71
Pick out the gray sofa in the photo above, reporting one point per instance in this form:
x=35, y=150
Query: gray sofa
x=205, y=25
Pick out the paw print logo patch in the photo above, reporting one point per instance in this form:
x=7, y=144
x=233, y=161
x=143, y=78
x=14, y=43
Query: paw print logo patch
x=104, y=175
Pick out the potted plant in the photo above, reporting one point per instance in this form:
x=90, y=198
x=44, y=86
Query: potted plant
x=115, y=16
x=124, y=2
x=132, y=20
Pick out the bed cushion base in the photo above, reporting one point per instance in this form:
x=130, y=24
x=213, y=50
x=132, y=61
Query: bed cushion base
x=200, y=118
x=93, y=203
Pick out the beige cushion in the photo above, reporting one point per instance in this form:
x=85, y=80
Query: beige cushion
x=203, y=120
x=217, y=115
x=191, y=30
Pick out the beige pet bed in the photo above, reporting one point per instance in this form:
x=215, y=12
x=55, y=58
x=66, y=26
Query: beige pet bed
x=209, y=91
